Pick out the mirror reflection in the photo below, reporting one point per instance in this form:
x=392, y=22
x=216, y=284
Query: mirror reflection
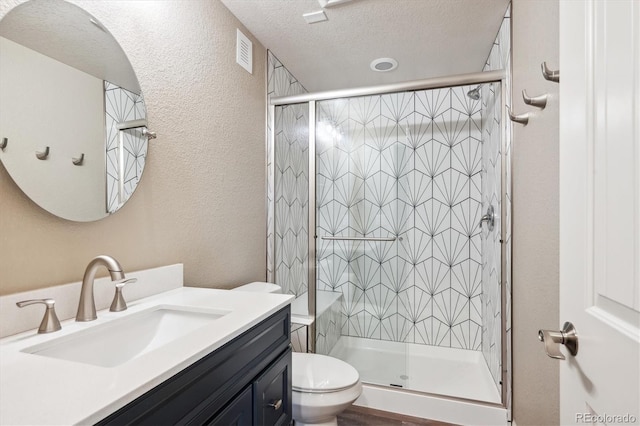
x=72, y=116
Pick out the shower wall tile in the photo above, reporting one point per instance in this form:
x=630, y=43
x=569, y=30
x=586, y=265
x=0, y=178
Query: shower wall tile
x=123, y=105
x=287, y=184
x=409, y=167
x=494, y=151
x=299, y=334
x=329, y=327
x=291, y=198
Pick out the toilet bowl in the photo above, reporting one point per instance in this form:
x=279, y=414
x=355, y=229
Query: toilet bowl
x=323, y=386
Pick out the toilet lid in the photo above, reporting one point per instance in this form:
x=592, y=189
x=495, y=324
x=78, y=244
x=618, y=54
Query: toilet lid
x=320, y=373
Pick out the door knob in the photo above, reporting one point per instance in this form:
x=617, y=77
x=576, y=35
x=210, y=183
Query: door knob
x=553, y=339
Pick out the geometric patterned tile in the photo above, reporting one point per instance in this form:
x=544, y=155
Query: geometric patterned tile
x=328, y=328
x=489, y=253
x=299, y=337
x=406, y=165
x=122, y=105
x=287, y=180
x=290, y=198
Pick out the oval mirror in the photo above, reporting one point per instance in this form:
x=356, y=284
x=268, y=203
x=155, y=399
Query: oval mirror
x=72, y=117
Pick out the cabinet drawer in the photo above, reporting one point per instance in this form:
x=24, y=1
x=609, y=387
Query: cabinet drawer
x=272, y=393
x=239, y=412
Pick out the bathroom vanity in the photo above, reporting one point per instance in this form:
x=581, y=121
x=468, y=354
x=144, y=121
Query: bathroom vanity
x=246, y=382
x=184, y=356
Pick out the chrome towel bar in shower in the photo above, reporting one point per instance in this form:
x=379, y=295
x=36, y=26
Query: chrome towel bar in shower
x=362, y=238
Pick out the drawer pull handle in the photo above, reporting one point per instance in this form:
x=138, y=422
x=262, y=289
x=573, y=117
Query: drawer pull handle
x=276, y=405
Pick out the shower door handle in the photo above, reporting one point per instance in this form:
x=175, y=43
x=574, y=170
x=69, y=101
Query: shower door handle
x=489, y=218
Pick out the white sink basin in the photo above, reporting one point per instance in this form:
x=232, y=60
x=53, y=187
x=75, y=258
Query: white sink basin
x=121, y=340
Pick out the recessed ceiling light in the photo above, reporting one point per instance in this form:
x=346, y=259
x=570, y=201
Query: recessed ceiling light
x=384, y=64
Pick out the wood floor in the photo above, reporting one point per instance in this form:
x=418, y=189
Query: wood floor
x=359, y=416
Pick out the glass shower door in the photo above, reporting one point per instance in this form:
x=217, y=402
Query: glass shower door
x=291, y=206
x=358, y=226
x=385, y=194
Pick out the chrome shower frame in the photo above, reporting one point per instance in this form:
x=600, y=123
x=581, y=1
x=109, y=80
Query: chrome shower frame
x=498, y=76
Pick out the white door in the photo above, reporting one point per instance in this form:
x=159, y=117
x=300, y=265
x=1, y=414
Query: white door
x=600, y=209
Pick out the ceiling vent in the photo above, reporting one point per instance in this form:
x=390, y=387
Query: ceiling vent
x=244, y=52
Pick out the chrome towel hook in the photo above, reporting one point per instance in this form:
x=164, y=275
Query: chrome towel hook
x=550, y=74
x=42, y=155
x=78, y=160
x=536, y=101
x=522, y=118
x=4, y=143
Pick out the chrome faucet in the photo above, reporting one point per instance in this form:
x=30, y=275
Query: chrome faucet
x=50, y=321
x=87, y=304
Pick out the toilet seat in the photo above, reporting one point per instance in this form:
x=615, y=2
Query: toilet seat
x=314, y=373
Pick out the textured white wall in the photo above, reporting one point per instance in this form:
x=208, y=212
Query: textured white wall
x=535, y=214
x=201, y=200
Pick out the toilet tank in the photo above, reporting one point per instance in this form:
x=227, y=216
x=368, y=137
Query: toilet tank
x=260, y=287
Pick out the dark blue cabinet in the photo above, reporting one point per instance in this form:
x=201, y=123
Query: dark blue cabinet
x=239, y=412
x=245, y=382
x=272, y=392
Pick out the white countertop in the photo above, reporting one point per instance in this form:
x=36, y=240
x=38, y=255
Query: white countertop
x=39, y=390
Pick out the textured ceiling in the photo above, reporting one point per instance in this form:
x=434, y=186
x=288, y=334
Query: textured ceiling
x=64, y=32
x=428, y=38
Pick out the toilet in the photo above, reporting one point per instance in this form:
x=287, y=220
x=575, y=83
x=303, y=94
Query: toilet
x=323, y=386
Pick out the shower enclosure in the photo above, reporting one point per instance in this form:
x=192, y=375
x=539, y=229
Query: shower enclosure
x=387, y=226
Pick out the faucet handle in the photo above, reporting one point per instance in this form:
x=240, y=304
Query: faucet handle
x=50, y=321
x=119, y=303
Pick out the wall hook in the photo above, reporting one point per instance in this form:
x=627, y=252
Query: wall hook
x=522, y=118
x=550, y=74
x=536, y=101
x=4, y=143
x=78, y=160
x=43, y=155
